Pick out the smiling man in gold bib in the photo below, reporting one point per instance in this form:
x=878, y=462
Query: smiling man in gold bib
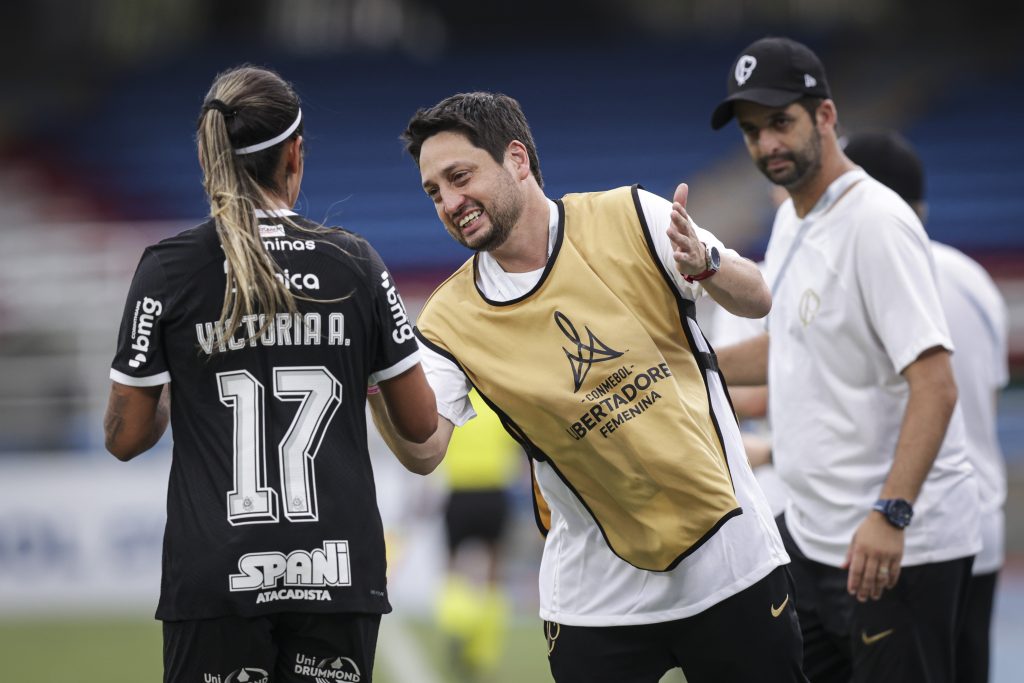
x=575, y=321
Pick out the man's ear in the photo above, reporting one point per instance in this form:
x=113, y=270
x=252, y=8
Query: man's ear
x=517, y=155
x=826, y=114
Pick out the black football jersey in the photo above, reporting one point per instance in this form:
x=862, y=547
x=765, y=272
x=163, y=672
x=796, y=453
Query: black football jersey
x=271, y=504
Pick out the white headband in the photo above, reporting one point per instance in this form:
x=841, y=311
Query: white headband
x=259, y=146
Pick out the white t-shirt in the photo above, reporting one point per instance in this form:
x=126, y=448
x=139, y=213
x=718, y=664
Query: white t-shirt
x=977, y=317
x=582, y=582
x=853, y=305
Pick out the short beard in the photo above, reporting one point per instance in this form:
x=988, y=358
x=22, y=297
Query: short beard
x=504, y=213
x=501, y=228
x=806, y=164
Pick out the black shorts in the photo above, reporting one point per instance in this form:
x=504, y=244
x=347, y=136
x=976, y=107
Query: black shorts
x=475, y=514
x=973, y=646
x=283, y=648
x=750, y=636
x=907, y=636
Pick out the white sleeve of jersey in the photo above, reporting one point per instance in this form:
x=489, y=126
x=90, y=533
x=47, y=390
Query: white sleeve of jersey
x=657, y=212
x=450, y=385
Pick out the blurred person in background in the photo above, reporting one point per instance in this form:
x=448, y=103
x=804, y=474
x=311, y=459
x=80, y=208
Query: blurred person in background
x=750, y=402
x=271, y=328
x=978, y=322
x=575, y=322
x=881, y=517
x=480, y=469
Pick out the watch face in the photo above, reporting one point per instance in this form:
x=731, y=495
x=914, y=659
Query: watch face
x=900, y=512
x=897, y=511
x=716, y=258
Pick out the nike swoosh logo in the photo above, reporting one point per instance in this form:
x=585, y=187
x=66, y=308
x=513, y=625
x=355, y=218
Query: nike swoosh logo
x=870, y=640
x=776, y=611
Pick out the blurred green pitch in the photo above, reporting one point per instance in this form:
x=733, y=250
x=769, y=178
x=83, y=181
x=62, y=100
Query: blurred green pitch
x=129, y=650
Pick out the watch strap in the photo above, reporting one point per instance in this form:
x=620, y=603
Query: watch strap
x=709, y=267
x=896, y=511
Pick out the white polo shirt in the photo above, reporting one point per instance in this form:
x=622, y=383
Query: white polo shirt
x=977, y=317
x=582, y=583
x=854, y=303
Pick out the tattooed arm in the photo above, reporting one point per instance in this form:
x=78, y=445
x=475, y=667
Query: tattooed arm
x=136, y=418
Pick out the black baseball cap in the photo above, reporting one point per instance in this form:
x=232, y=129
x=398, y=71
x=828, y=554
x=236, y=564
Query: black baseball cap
x=889, y=158
x=774, y=72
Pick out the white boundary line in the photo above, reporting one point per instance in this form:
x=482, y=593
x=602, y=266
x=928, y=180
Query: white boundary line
x=404, y=659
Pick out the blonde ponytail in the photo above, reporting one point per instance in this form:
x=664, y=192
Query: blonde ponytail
x=237, y=186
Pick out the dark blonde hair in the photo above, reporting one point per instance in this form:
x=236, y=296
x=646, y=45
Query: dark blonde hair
x=246, y=106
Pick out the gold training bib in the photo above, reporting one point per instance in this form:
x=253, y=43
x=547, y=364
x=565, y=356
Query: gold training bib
x=594, y=371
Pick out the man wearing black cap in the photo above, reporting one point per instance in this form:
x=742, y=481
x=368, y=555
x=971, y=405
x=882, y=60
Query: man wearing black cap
x=881, y=519
x=977, y=317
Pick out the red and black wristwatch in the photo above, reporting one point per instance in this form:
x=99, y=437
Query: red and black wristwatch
x=713, y=261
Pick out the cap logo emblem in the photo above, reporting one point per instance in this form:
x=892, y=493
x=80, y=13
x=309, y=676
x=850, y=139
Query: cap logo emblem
x=809, y=81
x=744, y=68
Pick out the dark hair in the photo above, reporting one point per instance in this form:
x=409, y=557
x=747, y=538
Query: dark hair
x=489, y=120
x=245, y=106
x=890, y=159
x=810, y=104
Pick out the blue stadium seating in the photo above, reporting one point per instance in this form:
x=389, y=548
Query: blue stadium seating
x=972, y=155
x=602, y=116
